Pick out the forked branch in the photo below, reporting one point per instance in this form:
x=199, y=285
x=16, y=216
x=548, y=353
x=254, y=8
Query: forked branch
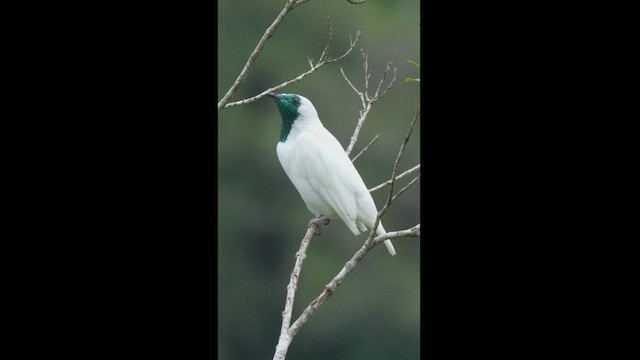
x=375, y=188
x=288, y=6
x=325, y=58
x=348, y=267
x=391, y=197
x=366, y=100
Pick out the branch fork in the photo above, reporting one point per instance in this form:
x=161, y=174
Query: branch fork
x=366, y=100
x=325, y=58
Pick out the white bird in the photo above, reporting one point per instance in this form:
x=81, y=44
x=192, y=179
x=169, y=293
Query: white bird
x=320, y=169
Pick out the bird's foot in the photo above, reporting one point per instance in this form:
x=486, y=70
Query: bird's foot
x=319, y=220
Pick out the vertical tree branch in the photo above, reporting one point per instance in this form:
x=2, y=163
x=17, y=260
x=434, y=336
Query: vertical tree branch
x=285, y=337
x=390, y=197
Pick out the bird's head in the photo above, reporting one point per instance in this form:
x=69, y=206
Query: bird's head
x=293, y=108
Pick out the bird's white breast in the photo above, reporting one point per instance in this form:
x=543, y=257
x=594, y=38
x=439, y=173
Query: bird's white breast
x=296, y=157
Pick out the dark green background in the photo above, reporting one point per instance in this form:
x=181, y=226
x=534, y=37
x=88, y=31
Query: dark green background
x=375, y=313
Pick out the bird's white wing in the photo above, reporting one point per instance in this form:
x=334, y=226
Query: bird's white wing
x=330, y=173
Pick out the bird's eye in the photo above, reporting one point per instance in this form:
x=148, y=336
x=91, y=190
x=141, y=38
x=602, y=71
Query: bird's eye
x=294, y=101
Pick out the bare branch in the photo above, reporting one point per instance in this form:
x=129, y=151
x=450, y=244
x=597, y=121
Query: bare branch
x=301, y=76
x=352, y=44
x=369, y=242
x=277, y=87
x=389, y=86
x=395, y=168
x=356, y=132
x=366, y=100
x=405, y=188
x=287, y=333
x=365, y=148
x=412, y=232
x=354, y=88
x=384, y=76
x=288, y=6
x=367, y=74
x=349, y=266
x=327, y=49
x=397, y=177
x=285, y=337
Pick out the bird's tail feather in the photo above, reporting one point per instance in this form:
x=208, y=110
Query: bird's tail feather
x=387, y=243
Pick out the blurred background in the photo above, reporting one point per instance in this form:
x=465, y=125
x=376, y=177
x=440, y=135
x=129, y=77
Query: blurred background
x=375, y=313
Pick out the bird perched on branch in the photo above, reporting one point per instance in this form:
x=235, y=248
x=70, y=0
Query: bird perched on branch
x=320, y=169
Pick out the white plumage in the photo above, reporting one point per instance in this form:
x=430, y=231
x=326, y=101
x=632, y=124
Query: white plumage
x=321, y=171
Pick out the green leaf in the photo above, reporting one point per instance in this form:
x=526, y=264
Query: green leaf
x=414, y=63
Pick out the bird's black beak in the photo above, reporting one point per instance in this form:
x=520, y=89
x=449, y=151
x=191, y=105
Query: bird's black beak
x=274, y=95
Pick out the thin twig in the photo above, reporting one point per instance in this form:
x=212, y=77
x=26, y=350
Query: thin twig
x=397, y=177
x=412, y=232
x=384, y=76
x=272, y=89
x=353, y=87
x=326, y=52
x=395, y=165
x=405, y=188
x=367, y=74
x=365, y=148
x=352, y=44
x=356, y=132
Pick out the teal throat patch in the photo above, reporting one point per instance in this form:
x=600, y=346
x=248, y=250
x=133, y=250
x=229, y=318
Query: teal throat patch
x=288, y=105
x=287, y=123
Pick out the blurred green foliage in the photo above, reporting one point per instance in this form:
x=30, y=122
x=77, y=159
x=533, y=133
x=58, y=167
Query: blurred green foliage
x=412, y=79
x=375, y=313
